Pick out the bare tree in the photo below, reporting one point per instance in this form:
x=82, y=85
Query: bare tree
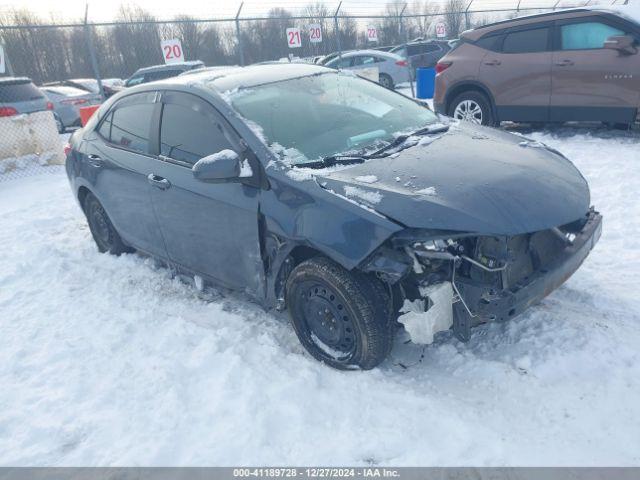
x=454, y=16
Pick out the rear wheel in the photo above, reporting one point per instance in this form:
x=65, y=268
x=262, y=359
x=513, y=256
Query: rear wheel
x=342, y=318
x=59, y=124
x=473, y=107
x=386, y=81
x=102, y=230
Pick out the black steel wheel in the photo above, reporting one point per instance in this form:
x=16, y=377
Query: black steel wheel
x=342, y=318
x=102, y=230
x=386, y=81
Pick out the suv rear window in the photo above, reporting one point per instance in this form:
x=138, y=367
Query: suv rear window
x=527, y=41
x=19, y=92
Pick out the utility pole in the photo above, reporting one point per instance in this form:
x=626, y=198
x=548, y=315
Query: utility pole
x=240, y=49
x=405, y=30
x=337, y=29
x=92, y=53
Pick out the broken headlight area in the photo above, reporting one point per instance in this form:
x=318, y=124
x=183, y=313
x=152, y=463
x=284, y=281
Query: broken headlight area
x=442, y=280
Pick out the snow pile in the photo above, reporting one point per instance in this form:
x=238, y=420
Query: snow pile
x=245, y=169
x=366, y=179
x=428, y=191
x=368, y=196
x=110, y=361
x=216, y=157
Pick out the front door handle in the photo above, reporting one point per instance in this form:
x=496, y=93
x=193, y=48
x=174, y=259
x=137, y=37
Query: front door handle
x=94, y=160
x=158, y=182
x=564, y=63
x=493, y=62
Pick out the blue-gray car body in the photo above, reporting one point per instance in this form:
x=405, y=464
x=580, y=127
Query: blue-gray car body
x=469, y=183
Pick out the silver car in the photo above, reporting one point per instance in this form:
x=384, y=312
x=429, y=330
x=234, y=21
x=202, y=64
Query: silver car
x=67, y=102
x=392, y=68
x=20, y=95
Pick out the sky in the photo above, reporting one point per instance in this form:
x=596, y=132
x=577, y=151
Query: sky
x=105, y=10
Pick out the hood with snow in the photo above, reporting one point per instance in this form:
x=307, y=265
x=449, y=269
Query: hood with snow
x=470, y=179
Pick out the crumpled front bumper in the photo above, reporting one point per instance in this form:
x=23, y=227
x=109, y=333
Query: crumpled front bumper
x=508, y=303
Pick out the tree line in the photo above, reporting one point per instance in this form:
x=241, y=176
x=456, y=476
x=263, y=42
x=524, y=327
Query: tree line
x=55, y=53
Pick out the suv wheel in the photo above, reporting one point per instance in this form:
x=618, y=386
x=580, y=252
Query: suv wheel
x=342, y=318
x=102, y=230
x=473, y=107
x=386, y=81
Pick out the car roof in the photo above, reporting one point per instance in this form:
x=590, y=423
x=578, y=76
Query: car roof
x=14, y=80
x=171, y=66
x=231, y=78
x=377, y=53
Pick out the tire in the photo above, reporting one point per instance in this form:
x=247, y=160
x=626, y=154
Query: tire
x=59, y=124
x=386, y=81
x=474, y=107
x=352, y=327
x=102, y=230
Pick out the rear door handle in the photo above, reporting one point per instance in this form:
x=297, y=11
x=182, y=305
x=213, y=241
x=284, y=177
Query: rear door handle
x=493, y=62
x=94, y=160
x=158, y=182
x=564, y=63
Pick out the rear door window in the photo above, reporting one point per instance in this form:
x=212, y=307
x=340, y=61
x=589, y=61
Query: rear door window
x=19, y=92
x=527, y=41
x=190, y=129
x=586, y=35
x=130, y=120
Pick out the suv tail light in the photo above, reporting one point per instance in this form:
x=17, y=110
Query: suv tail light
x=442, y=66
x=67, y=149
x=402, y=63
x=49, y=106
x=74, y=101
x=8, y=111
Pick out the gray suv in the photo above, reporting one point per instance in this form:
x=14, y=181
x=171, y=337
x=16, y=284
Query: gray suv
x=571, y=65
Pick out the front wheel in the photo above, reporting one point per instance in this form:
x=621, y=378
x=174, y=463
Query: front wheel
x=342, y=318
x=472, y=107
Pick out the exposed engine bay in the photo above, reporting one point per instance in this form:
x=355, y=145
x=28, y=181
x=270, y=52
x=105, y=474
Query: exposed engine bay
x=482, y=278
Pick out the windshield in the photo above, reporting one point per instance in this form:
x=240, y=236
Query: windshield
x=328, y=114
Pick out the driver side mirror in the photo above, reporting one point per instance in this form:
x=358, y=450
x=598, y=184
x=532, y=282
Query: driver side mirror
x=220, y=167
x=623, y=43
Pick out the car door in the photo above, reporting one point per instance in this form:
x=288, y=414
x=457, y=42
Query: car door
x=209, y=228
x=591, y=82
x=117, y=158
x=517, y=71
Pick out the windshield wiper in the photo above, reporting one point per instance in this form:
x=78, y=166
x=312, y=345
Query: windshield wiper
x=332, y=160
x=429, y=129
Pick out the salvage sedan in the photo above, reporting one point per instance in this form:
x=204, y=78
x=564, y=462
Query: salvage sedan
x=354, y=207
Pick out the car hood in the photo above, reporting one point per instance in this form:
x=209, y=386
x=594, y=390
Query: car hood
x=470, y=179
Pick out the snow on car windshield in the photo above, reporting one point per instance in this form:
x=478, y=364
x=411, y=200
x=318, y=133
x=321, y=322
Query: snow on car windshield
x=327, y=114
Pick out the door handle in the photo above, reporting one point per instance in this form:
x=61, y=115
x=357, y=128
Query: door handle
x=94, y=160
x=158, y=182
x=493, y=62
x=564, y=63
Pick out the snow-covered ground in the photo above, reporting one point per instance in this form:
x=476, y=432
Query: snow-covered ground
x=110, y=361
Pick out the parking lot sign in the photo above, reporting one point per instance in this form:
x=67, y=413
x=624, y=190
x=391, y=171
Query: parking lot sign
x=315, y=33
x=372, y=34
x=294, y=39
x=172, y=51
x=2, y=64
x=441, y=30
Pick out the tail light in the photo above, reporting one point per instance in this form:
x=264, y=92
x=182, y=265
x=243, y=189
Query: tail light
x=8, y=111
x=442, y=66
x=49, y=106
x=74, y=101
x=402, y=63
x=67, y=149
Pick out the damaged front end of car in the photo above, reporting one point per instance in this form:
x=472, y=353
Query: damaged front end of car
x=443, y=280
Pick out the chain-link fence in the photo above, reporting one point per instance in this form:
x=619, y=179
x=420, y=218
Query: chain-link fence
x=95, y=56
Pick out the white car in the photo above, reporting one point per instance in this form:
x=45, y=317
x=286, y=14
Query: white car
x=392, y=68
